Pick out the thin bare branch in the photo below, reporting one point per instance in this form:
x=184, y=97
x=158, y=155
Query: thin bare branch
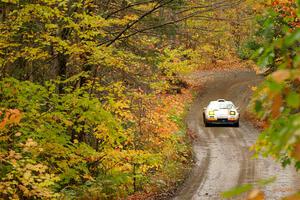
x=127, y=7
x=129, y=25
x=194, y=14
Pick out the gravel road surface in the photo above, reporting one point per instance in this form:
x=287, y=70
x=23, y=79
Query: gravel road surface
x=223, y=159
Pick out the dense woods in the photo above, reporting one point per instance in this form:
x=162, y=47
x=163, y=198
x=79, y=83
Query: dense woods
x=91, y=95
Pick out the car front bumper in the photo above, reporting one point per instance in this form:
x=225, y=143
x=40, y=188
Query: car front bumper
x=222, y=121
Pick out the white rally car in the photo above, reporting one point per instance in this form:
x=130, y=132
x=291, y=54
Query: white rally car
x=221, y=112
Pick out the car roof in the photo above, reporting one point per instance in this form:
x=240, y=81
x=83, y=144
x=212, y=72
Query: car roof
x=221, y=101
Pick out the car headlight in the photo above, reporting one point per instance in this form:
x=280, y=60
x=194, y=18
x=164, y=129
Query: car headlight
x=211, y=113
x=232, y=112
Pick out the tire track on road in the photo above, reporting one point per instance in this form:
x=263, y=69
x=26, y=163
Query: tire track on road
x=222, y=153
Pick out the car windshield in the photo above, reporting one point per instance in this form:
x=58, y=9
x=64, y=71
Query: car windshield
x=225, y=106
x=220, y=105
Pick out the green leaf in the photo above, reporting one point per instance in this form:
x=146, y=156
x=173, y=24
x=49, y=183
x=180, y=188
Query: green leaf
x=274, y=86
x=258, y=106
x=291, y=39
x=237, y=191
x=293, y=99
x=267, y=57
x=266, y=181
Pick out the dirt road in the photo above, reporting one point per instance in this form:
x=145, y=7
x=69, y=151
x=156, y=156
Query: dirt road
x=222, y=153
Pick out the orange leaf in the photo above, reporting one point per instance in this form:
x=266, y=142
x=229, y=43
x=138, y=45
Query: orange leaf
x=296, y=152
x=293, y=197
x=281, y=75
x=256, y=195
x=277, y=102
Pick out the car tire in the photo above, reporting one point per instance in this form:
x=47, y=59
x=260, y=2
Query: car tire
x=206, y=124
x=237, y=124
x=204, y=121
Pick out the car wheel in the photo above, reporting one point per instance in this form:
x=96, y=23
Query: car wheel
x=204, y=120
x=237, y=124
x=207, y=124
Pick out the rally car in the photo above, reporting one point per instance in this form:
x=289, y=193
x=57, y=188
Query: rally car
x=221, y=112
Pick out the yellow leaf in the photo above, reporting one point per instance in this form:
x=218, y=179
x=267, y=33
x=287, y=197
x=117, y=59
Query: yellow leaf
x=253, y=88
x=68, y=123
x=256, y=195
x=88, y=177
x=18, y=134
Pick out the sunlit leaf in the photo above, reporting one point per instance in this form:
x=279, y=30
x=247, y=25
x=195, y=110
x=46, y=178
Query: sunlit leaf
x=293, y=99
x=256, y=195
x=237, y=191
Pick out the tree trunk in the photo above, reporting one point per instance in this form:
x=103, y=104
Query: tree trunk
x=62, y=70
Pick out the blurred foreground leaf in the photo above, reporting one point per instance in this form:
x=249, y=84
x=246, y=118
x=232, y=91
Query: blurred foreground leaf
x=256, y=195
x=237, y=191
x=293, y=197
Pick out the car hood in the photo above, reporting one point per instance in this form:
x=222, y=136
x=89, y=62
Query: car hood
x=222, y=113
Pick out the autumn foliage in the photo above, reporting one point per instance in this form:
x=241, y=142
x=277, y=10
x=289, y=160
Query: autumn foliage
x=288, y=10
x=83, y=112
x=92, y=98
x=9, y=117
x=277, y=100
x=49, y=151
